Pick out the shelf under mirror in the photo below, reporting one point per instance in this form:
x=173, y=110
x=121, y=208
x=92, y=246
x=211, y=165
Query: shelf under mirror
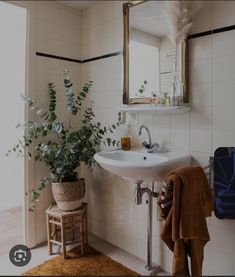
x=154, y=109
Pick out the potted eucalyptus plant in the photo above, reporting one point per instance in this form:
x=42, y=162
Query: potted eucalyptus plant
x=62, y=147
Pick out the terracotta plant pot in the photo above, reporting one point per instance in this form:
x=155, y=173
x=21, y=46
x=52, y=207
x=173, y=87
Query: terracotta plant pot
x=69, y=195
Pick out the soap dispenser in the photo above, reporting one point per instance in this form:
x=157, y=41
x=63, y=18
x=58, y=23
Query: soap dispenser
x=126, y=137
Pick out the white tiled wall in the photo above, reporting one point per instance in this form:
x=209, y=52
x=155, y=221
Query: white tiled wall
x=57, y=33
x=113, y=214
x=98, y=30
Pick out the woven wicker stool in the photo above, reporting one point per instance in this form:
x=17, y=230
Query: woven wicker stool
x=66, y=228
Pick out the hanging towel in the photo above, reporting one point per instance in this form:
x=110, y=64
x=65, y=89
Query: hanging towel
x=185, y=230
x=224, y=182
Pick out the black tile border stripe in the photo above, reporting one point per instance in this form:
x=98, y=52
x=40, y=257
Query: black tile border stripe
x=215, y=31
x=197, y=35
x=79, y=61
x=103, y=57
x=57, y=57
x=202, y=34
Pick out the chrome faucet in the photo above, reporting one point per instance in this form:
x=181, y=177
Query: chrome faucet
x=151, y=148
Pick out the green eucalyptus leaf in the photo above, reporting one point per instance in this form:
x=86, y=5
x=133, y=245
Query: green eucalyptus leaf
x=56, y=144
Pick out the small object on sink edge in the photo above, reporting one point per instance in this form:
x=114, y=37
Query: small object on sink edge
x=126, y=143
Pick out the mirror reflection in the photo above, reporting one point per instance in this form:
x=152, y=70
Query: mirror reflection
x=151, y=57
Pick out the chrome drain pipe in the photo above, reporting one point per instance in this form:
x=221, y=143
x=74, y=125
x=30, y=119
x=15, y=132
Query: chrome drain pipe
x=139, y=192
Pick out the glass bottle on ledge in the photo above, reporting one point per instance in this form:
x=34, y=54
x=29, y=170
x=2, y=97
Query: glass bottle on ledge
x=176, y=92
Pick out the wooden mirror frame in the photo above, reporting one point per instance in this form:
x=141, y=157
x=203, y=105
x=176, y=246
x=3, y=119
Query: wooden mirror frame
x=184, y=60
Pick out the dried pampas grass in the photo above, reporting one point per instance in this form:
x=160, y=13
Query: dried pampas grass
x=179, y=18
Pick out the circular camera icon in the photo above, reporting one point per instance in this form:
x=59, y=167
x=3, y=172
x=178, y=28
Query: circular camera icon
x=20, y=255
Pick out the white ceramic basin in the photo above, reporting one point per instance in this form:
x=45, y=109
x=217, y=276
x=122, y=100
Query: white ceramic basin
x=139, y=165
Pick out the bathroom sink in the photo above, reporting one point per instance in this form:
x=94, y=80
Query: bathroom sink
x=138, y=165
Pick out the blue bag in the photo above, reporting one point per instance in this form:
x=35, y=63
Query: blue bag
x=224, y=182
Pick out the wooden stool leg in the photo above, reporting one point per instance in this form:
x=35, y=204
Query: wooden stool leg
x=55, y=232
x=55, y=235
x=49, y=236
x=81, y=227
x=63, y=238
x=86, y=228
x=72, y=228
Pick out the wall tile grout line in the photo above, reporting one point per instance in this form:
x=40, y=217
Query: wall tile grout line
x=79, y=61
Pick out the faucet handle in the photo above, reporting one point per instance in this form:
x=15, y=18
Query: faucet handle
x=151, y=148
x=154, y=148
x=146, y=145
x=156, y=145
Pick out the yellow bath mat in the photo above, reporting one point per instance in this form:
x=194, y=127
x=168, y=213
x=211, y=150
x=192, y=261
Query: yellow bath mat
x=92, y=263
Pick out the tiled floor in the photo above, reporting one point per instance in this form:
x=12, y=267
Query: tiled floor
x=10, y=229
x=124, y=257
x=40, y=254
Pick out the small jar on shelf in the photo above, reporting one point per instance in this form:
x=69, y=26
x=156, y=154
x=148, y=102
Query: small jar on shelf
x=154, y=98
x=164, y=99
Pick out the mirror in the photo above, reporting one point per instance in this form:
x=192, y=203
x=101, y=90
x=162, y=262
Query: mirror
x=150, y=56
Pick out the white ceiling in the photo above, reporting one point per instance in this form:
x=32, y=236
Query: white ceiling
x=149, y=18
x=78, y=4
